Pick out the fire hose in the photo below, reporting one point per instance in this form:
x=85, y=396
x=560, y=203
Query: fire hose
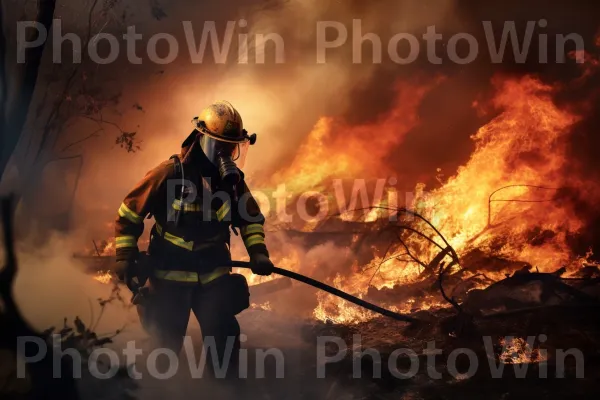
x=334, y=291
x=139, y=293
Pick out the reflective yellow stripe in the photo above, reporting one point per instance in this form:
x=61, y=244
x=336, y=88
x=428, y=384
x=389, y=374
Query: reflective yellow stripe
x=179, y=276
x=190, y=207
x=222, y=212
x=254, y=239
x=177, y=241
x=192, y=277
x=177, y=204
x=126, y=213
x=252, y=228
x=125, y=241
x=193, y=207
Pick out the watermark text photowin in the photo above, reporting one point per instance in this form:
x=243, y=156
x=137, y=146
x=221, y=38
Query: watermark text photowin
x=402, y=363
x=346, y=198
x=207, y=43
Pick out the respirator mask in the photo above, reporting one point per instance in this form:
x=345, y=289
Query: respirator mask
x=226, y=156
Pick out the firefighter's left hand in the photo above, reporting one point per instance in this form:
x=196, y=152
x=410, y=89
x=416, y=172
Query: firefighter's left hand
x=127, y=272
x=261, y=264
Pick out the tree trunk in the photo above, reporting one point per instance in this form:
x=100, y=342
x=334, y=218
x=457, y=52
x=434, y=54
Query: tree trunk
x=24, y=77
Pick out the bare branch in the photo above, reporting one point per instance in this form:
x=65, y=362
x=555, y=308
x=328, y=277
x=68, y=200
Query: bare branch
x=413, y=230
x=75, y=143
x=442, y=271
x=490, y=201
x=415, y=258
x=100, y=121
x=472, y=278
x=414, y=214
x=79, y=156
x=49, y=126
x=381, y=263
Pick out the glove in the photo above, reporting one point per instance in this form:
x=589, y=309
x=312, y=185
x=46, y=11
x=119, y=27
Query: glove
x=261, y=265
x=127, y=272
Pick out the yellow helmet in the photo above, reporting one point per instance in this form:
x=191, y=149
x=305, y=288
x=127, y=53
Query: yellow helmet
x=222, y=122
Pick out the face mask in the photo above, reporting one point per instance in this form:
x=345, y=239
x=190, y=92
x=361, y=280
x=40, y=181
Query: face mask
x=228, y=170
x=226, y=156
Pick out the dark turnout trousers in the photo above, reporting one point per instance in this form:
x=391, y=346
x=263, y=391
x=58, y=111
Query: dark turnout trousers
x=165, y=313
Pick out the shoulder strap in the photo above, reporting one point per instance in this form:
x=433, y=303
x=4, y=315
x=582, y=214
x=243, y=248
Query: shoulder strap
x=178, y=167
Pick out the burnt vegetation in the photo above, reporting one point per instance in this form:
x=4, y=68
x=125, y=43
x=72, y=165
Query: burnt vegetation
x=562, y=307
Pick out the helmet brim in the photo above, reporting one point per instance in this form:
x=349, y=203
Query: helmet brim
x=205, y=131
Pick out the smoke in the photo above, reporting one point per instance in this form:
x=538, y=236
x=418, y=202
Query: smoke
x=279, y=102
x=282, y=102
x=51, y=286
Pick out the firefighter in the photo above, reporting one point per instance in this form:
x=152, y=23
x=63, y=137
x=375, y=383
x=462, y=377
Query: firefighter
x=196, y=199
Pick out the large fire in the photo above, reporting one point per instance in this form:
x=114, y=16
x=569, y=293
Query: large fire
x=504, y=201
x=326, y=154
x=508, y=200
x=524, y=145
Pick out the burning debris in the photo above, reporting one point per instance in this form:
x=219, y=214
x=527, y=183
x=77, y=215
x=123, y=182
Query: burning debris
x=266, y=306
x=489, y=211
x=491, y=220
x=104, y=277
x=518, y=351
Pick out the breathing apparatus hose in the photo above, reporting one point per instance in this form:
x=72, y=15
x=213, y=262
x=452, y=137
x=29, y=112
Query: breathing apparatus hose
x=333, y=291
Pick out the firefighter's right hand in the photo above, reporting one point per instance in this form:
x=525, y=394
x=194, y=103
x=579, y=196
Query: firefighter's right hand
x=260, y=264
x=127, y=272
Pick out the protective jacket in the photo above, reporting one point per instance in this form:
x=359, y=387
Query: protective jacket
x=193, y=246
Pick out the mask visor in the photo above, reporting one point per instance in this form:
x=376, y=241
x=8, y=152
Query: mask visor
x=240, y=153
x=215, y=149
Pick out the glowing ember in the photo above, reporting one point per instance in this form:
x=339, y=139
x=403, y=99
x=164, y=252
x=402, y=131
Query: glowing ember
x=104, y=277
x=334, y=309
x=518, y=351
x=266, y=306
x=109, y=249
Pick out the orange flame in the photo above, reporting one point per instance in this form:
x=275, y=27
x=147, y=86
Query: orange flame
x=523, y=150
x=335, y=150
x=103, y=277
x=518, y=351
x=524, y=144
